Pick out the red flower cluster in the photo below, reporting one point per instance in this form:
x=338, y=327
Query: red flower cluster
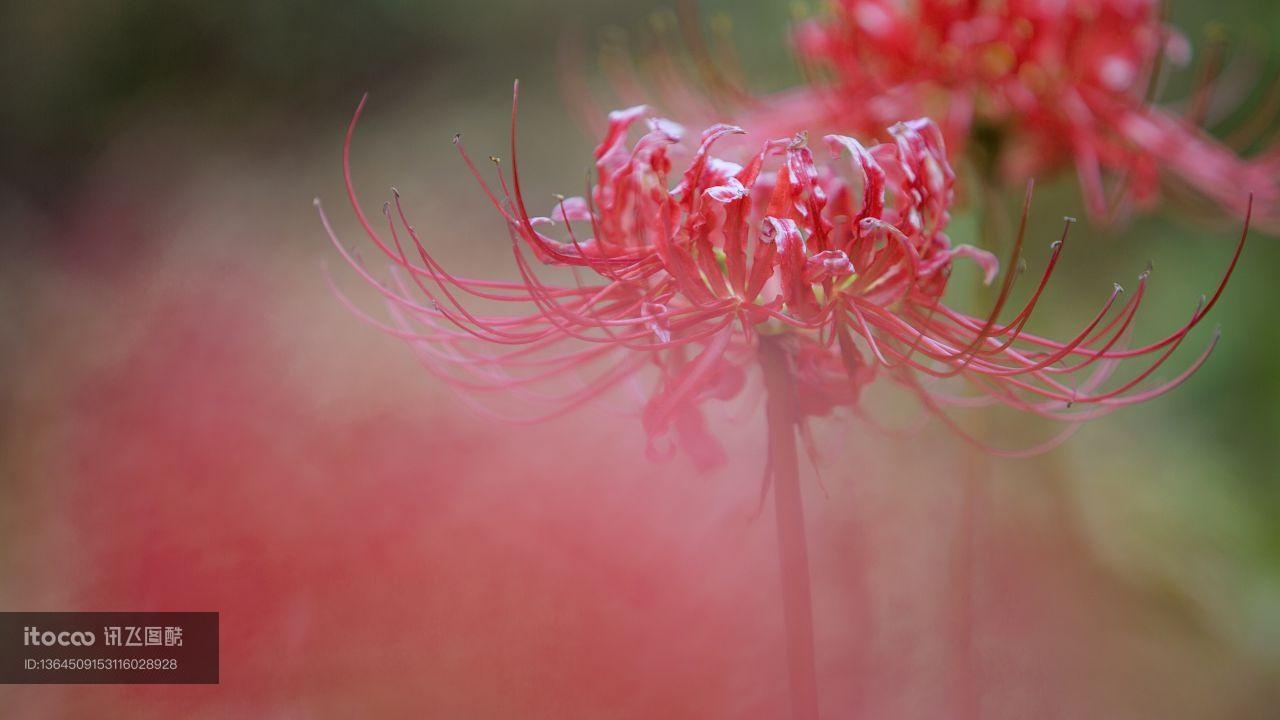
x=1040, y=84
x=841, y=260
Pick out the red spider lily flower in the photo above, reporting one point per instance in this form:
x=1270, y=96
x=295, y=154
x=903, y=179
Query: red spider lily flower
x=1037, y=85
x=839, y=261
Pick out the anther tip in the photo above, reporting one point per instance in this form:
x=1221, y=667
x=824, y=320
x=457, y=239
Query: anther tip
x=457, y=138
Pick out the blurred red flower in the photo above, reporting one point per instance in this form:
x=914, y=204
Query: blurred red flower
x=1036, y=84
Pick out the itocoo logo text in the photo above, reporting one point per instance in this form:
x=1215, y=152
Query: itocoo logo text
x=32, y=636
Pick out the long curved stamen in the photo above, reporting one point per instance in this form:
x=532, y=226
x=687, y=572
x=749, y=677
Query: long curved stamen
x=690, y=281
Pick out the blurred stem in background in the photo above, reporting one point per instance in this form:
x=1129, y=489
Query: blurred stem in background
x=793, y=554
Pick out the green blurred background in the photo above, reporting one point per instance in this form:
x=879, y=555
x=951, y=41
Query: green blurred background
x=149, y=148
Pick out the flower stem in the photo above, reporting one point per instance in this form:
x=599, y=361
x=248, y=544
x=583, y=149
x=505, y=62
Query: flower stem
x=797, y=602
